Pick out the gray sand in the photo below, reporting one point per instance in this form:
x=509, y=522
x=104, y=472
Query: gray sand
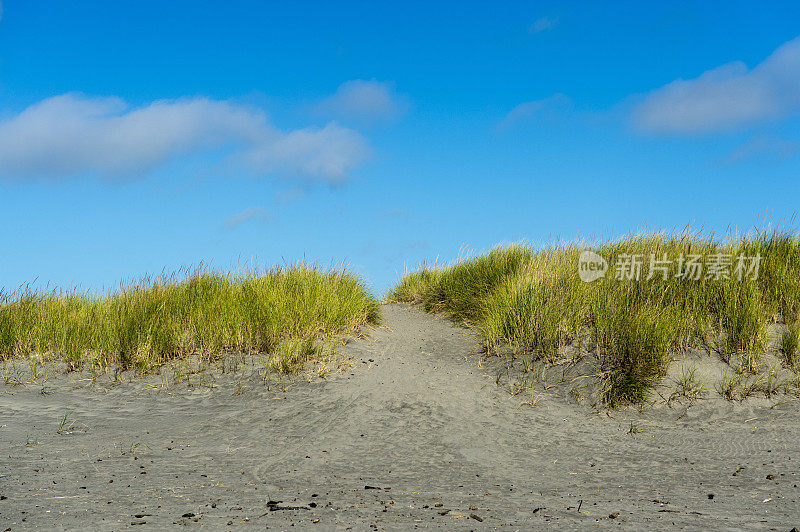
x=417, y=434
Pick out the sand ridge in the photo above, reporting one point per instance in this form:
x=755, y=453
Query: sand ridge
x=417, y=434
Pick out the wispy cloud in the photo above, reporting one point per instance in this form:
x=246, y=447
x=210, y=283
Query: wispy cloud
x=528, y=111
x=1, y=10
x=365, y=102
x=251, y=213
x=726, y=98
x=331, y=153
x=764, y=148
x=288, y=196
x=543, y=24
x=73, y=134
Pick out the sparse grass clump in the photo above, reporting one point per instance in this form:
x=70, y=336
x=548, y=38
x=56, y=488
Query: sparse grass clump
x=688, y=385
x=533, y=301
x=283, y=312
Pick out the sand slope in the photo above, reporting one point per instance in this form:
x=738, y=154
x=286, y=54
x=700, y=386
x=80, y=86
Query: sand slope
x=418, y=433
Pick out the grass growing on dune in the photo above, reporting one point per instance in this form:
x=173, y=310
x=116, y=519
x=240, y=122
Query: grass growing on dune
x=789, y=345
x=533, y=301
x=461, y=289
x=284, y=312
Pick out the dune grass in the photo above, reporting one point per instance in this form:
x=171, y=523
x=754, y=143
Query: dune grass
x=789, y=345
x=286, y=313
x=533, y=301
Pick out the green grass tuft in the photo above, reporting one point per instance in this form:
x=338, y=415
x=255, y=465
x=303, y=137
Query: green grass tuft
x=461, y=289
x=283, y=312
x=532, y=301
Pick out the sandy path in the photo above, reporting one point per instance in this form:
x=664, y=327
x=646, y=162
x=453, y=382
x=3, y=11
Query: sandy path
x=419, y=419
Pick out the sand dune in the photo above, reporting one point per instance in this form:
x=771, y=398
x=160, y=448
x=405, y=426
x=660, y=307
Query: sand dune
x=418, y=433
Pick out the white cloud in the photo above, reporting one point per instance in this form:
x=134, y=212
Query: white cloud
x=527, y=111
x=331, y=152
x=74, y=134
x=543, y=24
x=726, y=98
x=364, y=102
x=251, y=213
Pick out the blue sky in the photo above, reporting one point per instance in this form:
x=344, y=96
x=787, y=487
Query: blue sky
x=142, y=136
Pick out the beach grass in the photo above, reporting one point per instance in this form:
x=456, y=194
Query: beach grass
x=789, y=345
x=532, y=301
x=285, y=313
